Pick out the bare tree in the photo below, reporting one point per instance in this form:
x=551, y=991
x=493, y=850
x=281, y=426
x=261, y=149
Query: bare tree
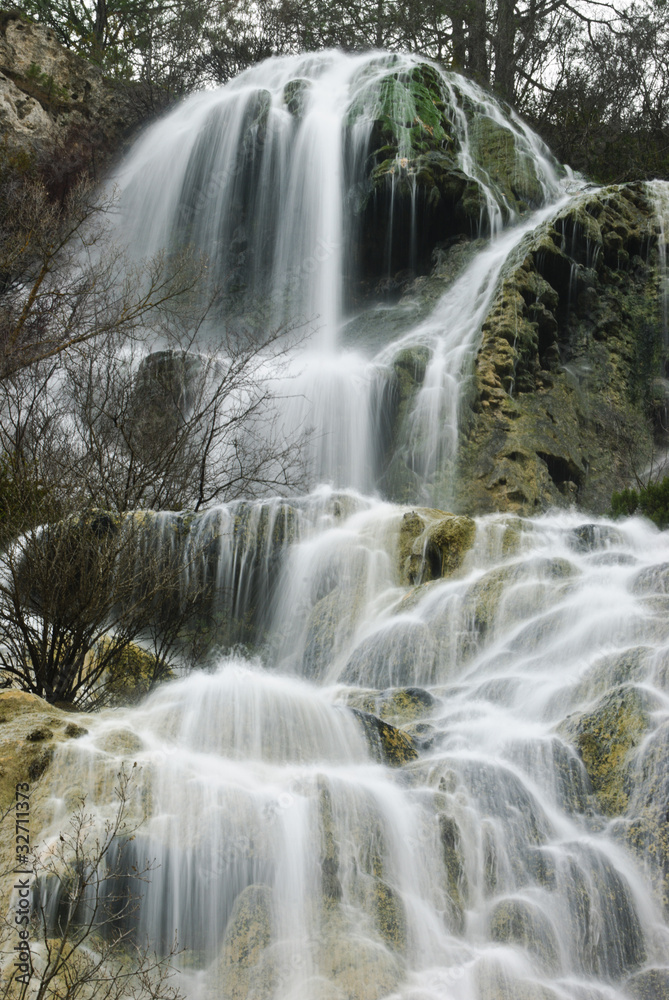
x=64, y=280
x=75, y=596
x=84, y=899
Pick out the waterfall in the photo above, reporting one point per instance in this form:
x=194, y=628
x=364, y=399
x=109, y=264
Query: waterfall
x=394, y=776
x=487, y=866
x=281, y=176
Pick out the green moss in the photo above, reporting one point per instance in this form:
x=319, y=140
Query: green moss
x=387, y=910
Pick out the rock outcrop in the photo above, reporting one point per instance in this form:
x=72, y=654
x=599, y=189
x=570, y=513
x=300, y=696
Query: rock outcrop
x=562, y=383
x=50, y=96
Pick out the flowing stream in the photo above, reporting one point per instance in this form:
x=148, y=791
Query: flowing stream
x=293, y=861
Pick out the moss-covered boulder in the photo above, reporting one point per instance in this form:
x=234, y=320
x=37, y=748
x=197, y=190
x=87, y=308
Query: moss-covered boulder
x=295, y=96
x=517, y=921
x=439, y=154
x=558, y=406
x=395, y=705
x=387, y=744
x=239, y=970
x=605, y=738
x=387, y=910
x=651, y=984
x=433, y=544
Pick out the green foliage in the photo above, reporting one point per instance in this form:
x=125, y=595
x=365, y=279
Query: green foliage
x=652, y=501
x=44, y=81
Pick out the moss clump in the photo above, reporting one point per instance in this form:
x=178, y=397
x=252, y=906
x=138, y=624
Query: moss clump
x=388, y=911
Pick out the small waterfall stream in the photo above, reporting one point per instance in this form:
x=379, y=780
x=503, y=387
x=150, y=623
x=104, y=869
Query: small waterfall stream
x=514, y=855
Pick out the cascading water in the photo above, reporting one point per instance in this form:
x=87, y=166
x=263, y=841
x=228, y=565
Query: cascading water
x=281, y=176
x=520, y=850
x=292, y=864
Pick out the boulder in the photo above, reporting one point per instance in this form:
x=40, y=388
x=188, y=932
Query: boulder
x=557, y=409
x=517, y=921
x=651, y=984
x=387, y=744
x=433, y=544
x=605, y=738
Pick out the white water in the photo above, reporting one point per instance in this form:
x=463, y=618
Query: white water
x=659, y=191
x=483, y=869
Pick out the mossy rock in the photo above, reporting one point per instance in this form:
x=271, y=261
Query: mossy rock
x=387, y=910
x=30, y=731
x=132, y=674
x=517, y=921
x=395, y=705
x=651, y=984
x=387, y=744
x=557, y=408
x=605, y=738
x=512, y=172
x=404, y=653
x=456, y=876
x=329, y=627
x=433, y=544
x=295, y=96
x=248, y=934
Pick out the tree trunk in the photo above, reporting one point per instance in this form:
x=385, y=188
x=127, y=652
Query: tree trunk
x=504, y=49
x=476, y=25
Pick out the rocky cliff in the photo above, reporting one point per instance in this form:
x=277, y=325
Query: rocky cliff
x=52, y=97
x=566, y=377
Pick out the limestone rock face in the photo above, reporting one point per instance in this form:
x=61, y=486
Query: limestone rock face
x=567, y=362
x=421, y=125
x=46, y=91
